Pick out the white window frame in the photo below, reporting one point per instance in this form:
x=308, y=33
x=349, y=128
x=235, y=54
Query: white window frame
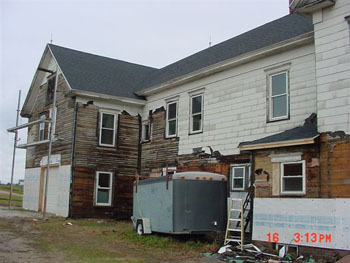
x=172, y=170
x=303, y=176
x=114, y=128
x=53, y=121
x=42, y=128
x=246, y=173
x=271, y=118
x=144, y=139
x=110, y=188
x=167, y=135
x=195, y=114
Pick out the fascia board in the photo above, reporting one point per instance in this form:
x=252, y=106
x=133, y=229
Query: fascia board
x=90, y=94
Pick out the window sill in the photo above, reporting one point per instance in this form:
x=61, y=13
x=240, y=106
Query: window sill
x=196, y=132
x=276, y=120
x=106, y=148
x=292, y=194
x=103, y=205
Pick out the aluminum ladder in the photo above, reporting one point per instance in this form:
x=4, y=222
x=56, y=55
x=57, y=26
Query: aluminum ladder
x=239, y=215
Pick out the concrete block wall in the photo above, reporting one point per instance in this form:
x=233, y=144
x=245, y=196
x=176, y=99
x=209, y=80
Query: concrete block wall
x=332, y=49
x=235, y=104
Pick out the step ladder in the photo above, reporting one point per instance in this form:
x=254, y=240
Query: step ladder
x=239, y=215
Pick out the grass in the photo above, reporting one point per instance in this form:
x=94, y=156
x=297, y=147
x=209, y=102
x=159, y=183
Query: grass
x=91, y=240
x=16, y=200
x=18, y=189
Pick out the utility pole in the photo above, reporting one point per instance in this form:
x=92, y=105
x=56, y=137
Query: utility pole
x=14, y=149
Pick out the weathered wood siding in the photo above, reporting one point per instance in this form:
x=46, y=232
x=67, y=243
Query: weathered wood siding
x=335, y=165
x=89, y=157
x=159, y=151
x=64, y=126
x=266, y=181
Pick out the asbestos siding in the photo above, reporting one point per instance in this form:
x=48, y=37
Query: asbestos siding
x=235, y=106
x=332, y=48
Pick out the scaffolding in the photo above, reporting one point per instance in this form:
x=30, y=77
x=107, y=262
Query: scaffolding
x=49, y=141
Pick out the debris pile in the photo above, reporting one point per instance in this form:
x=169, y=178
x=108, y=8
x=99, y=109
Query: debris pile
x=252, y=254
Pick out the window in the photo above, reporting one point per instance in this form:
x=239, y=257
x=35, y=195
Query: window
x=50, y=89
x=146, y=131
x=42, y=128
x=279, y=105
x=103, y=189
x=171, y=171
x=196, y=121
x=107, y=129
x=53, y=117
x=239, y=177
x=171, y=119
x=293, y=178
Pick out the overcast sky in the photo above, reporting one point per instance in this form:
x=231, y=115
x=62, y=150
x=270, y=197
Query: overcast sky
x=152, y=33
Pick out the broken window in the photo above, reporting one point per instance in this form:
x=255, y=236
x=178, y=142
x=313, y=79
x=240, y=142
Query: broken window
x=293, y=177
x=103, y=189
x=278, y=100
x=171, y=119
x=196, y=114
x=50, y=90
x=239, y=177
x=107, y=129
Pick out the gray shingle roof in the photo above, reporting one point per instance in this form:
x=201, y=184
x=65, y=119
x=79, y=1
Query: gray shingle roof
x=307, y=131
x=284, y=28
x=104, y=75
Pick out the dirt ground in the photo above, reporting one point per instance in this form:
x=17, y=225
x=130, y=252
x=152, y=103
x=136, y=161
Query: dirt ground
x=25, y=237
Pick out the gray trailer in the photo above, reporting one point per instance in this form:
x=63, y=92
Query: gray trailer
x=183, y=203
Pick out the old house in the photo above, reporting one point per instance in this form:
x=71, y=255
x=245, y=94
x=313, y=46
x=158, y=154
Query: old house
x=269, y=108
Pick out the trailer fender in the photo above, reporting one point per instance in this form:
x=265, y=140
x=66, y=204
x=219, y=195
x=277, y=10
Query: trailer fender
x=143, y=226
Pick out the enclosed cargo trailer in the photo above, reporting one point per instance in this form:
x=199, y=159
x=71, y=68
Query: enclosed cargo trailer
x=183, y=203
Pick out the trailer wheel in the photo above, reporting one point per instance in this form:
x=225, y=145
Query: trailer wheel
x=139, y=227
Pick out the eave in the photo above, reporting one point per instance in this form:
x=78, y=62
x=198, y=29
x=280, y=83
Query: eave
x=95, y=95
x=311, y=7
x=279, y=144
x=230, y=63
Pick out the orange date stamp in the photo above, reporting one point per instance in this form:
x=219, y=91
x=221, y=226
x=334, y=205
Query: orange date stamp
x=305, y=238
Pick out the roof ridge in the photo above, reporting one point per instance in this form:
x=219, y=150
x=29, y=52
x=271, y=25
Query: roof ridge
x=100, y=56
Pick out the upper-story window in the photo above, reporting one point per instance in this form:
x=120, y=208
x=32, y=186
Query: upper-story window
x=50, y=89
x=278, y=96
x=42, y=128
x=171, y=119
x=107, y=129
x=196, y=115
x=146, y=131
